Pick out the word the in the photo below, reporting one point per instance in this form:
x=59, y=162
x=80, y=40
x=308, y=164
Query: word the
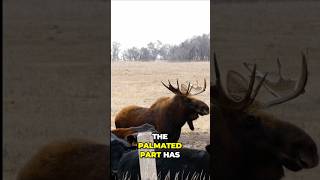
x=160, y=136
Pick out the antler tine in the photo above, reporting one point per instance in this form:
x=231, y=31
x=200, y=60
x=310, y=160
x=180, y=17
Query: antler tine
x=171, y=88
x=260, y=76
x=216, y=69
x=190, y=88
x=165, y=85
x=256, y=91
x=259, y=86
x=203, y=89
x=224, y=100
x=223, y=96
x=299, y=87
x=279, y=68
x=247, y=97
x=178, y=85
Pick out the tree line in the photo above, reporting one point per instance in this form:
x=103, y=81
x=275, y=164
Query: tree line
x=196, y=48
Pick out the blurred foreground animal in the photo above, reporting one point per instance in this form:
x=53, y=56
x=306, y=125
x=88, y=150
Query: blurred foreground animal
x=251, y=144
x=168, y=115
x=75, y=159
x=88, y=160
x=192, y=165
x=72, y=159
x=80, y=159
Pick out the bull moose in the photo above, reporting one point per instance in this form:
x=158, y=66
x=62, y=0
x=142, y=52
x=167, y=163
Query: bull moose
x=168, y=115
x=249, y=143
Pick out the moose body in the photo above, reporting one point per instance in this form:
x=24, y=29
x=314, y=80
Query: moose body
x=249, y=143
x=167, y=115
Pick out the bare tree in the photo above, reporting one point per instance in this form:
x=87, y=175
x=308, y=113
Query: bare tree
x=196, y=48
x=115, y=50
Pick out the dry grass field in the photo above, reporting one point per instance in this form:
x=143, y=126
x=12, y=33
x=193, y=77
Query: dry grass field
x=139, y=83
x=259, y=33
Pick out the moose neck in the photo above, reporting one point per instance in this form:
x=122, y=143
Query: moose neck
x=234, y=157
x=224, y=146
x=177, y=112
x=169, y=115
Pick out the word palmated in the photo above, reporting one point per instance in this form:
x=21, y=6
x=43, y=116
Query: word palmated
x=159, y=154
x=159, y=145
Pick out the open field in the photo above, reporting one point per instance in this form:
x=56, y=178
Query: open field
x=259, y=33
x=139, y=83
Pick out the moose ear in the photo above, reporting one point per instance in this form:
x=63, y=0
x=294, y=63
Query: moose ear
x=237, y=85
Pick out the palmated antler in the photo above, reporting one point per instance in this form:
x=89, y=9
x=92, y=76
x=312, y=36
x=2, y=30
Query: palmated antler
x=186, y=90
x=221, y=98
x=177, y=90
x=278, y=87
x=298, y=90
x=195, y=87
x=296, y=87
x=202, y=90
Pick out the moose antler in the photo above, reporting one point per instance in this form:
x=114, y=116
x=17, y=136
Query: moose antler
x=203, y=89
x=177, y=90
x=224, y=99
x=187, y=91
x=278, y=87
x=195, y=87
x=298, y=90
x=282, y=84
x=173, y=89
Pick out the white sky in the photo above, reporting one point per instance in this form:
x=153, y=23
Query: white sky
x=138, y=22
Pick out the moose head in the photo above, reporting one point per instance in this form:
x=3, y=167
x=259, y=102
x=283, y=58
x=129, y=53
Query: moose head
x=184, y=102
x=249, y=143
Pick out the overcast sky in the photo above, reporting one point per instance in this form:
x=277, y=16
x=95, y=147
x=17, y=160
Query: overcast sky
x=138, y=22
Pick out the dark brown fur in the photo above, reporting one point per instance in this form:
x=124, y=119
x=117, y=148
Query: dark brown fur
x=168, y=115
x=76, y=159
x=73, y=159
